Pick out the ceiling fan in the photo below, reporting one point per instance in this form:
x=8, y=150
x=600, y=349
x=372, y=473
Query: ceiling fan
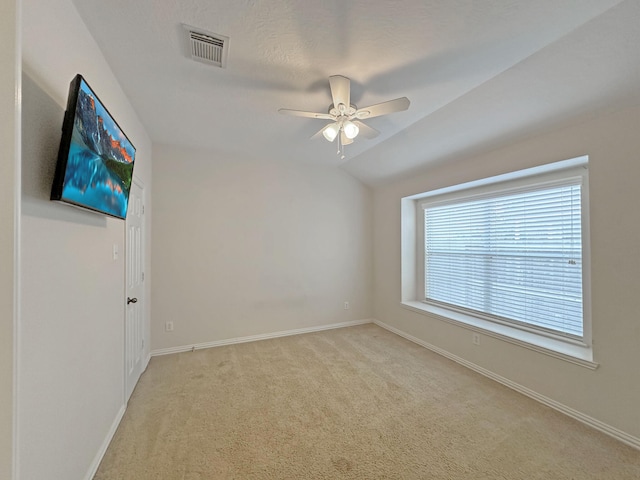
x=346, y=118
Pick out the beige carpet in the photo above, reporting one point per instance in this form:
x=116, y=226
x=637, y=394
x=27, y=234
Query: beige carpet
x=353, y=403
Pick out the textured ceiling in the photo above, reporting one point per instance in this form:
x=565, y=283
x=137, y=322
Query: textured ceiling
x=477, y=72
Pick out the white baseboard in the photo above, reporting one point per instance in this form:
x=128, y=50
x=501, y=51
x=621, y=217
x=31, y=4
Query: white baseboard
x=575, y=414
x=105, y=444
x=146, y=362
x=255, y=338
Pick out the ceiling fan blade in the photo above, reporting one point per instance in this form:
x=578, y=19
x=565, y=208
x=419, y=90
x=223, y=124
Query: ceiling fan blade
x=365, y=130
x=340, y=90
x=397, y=105
x=344, y=139
x=300, y=113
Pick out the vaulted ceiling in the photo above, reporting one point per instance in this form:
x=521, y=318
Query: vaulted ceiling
x=478, y=73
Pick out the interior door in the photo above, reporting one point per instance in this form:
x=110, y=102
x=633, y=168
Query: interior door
x=134, y=318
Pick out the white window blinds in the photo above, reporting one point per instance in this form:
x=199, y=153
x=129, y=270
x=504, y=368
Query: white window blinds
x=513, y=256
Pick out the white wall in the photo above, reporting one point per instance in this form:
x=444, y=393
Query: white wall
x=9, y=151
x=71, y=362
x=246, y=247
x=610, y=394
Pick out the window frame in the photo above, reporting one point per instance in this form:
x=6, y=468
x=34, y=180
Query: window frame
x=576, y=350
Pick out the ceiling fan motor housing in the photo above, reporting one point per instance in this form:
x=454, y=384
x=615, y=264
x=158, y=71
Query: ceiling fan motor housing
x=347, y=112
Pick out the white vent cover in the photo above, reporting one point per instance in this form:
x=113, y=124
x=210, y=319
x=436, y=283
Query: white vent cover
x=207, y=47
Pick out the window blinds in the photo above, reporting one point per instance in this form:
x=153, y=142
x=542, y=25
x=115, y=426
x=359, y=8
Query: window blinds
x=515, y=256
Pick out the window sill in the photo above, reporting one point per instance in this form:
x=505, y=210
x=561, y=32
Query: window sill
x=581, y=355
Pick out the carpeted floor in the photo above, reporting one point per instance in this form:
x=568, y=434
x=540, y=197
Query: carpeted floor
x=352, y=403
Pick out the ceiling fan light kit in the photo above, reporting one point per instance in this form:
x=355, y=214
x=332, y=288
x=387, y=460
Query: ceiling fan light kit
x=351, y=130
x=345, y=118
x=331, y=131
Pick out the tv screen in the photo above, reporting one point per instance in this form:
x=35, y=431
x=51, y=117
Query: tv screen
x=95, y=160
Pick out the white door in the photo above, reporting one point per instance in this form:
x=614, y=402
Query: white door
x=134, y=318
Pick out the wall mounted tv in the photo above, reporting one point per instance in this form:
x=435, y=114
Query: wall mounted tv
x=95, y=160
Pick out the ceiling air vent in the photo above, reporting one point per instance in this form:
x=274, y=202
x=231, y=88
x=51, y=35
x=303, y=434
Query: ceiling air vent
x=207, y=47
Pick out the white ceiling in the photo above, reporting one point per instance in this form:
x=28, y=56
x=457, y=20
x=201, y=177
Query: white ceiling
x=478, y=73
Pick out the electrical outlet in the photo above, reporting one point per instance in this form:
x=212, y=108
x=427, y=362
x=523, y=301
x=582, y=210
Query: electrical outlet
x=476, y=339
x=346, y=305
x=168, y=327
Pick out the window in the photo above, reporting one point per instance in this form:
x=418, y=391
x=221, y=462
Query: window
x=514, y=256
x=505, y=254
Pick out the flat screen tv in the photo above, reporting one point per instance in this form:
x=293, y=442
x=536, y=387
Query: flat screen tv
x=95, y=160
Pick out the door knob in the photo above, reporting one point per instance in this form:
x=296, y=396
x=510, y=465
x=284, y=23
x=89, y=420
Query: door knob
x=131, y=300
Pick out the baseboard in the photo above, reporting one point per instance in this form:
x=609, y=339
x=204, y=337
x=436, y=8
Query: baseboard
x=105, y=444
x=255, y=338
x=575, y=414
x=146, y=362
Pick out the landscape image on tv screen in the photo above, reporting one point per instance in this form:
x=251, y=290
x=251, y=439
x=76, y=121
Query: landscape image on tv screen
x=99, y=166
